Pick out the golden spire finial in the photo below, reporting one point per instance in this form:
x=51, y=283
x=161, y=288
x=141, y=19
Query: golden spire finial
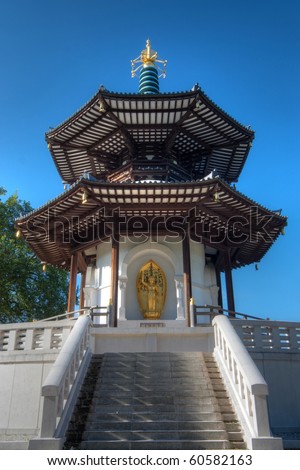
x=148, y=57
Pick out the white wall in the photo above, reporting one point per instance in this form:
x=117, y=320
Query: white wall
x=132, y=256
x=281, y=371
x=159, y=339
x=98, y=278
x=103, y=273
x=22, y=375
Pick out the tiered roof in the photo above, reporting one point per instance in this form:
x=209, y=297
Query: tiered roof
x=166, y=137
x=147, y=164
x=212, y=212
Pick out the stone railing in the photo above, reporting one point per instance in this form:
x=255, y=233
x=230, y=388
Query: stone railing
x=268, y=336
x=35, y=336
x=203, y=315
x=59, y=388
x=246, y=385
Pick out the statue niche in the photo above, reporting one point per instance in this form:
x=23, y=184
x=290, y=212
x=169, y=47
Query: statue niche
x=151, y=289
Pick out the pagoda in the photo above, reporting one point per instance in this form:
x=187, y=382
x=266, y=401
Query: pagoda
x=152, y=221
x=150, y=215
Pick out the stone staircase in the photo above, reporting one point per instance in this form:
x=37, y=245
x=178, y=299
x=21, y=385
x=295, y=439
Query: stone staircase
x=154, y=401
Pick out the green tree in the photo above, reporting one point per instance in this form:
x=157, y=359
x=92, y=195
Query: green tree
x=26, y=292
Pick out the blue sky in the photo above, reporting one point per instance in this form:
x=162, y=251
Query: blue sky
x=244, y=55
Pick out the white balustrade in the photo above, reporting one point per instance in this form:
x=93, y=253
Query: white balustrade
x=34, y=336
x=60, y=380
x=266, y=335
x=247, y=386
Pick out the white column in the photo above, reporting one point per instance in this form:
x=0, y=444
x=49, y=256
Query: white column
x=214, y=290
x=179, y=298
x=122, y=295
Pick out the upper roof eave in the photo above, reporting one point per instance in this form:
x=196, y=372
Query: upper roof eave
x=191, y=94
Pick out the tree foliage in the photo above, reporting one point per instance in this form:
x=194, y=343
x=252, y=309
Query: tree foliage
x=26, y=292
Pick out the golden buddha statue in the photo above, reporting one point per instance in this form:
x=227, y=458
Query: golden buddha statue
x=151, y=290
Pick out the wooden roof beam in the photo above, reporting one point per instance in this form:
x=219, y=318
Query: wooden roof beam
x=86, y=128
x=66, y=160
x=126, y=135
x=169, y=141
x=213, y=127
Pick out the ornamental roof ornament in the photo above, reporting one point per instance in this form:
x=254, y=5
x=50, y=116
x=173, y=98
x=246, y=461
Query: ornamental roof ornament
x=148, y=57
x=148, y=70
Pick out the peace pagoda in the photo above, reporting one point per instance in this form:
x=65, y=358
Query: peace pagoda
x=151, y=179
x=150, y=226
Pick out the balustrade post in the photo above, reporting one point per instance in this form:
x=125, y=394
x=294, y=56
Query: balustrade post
x=229, y=283
x=47, y=338
x=110, y=321
x=294, y=345
x=114, y=275
x=187, y=281
x=179, y=299
x=12, y=340
x=122, y=309
x=219, y=285
x=29, y=339
x=192, y=313
x=260, y=414
x=49, y=416
x=82, y=287
x=275, y=338
x=72, y=284
x=257, y=334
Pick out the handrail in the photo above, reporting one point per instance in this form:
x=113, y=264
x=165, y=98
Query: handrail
x=67, y=315
x=212, y=311
x=246, y=384
x=80, y=311
x=100, y=312
x=62, y=375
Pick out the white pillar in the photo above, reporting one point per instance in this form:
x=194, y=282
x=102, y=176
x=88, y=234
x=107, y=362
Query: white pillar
x=214, y=290
x=179, y=298
x=122, y=295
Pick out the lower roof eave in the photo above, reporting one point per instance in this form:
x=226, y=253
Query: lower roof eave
x=211, y=210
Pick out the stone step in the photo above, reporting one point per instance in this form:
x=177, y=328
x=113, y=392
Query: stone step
x=235, y=436
x=153, y=408
x=229, y=417
x=221, y=394
x=139, y=381
x=154, y=401
x=154, y=376
x=156, y=435
x=155, y=445
x=148, y=355
x=150, y=366
x=140, y=392
x=212, y=367
x=226, y=408
x=153, y=417
x=159, y=362
x=155, y=425
x=160, y=366
x=114, y=389
x=232, y=427
x=218, y=386
x=205, y=398
x=240, y=445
